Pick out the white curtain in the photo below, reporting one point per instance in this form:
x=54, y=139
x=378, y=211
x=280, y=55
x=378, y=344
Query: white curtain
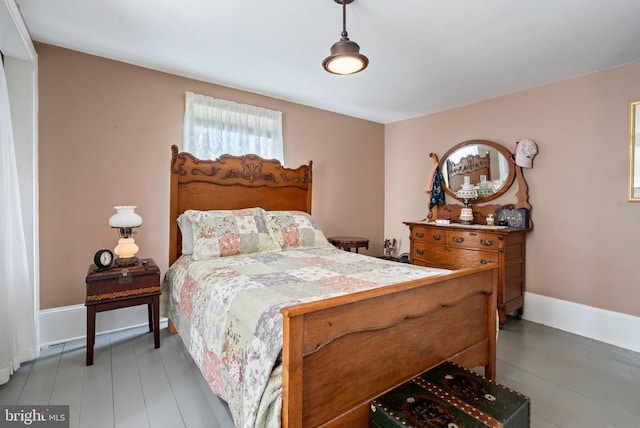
x=213, y=127
x=18, y=340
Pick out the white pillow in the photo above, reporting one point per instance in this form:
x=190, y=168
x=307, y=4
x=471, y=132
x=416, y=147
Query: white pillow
x=186, y=229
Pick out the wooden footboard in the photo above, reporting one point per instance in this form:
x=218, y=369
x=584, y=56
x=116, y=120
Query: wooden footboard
x=340, y=353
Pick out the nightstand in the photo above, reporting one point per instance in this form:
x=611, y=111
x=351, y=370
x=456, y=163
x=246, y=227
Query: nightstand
x=349, y=242
x=121, y=287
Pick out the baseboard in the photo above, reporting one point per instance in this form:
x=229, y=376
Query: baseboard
x=68, y=323
x=614, y=328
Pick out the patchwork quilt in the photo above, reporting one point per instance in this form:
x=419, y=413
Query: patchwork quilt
x=227, y=312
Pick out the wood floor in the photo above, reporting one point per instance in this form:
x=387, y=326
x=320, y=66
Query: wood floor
x=572, y=381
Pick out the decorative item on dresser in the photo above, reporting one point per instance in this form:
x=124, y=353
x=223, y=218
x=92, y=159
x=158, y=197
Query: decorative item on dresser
x=435, y=242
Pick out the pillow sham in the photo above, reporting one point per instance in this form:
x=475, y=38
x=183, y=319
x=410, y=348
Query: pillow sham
x=295, y=229
x=224, y=233
x=186, y=230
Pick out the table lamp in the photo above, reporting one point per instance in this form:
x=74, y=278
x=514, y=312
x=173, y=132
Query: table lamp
x=467, y=193
x=125, y=219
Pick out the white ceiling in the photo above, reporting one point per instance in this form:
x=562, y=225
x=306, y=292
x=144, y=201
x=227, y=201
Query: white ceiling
x=425, y=55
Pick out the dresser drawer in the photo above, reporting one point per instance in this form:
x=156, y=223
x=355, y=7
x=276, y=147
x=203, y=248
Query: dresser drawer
x=432, y=255
x=471, y=258
x=421, y=251
x=450, y=258
x=473, y=239
x=428, y=234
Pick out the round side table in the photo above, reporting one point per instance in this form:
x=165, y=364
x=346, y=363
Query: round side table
x=349, y=242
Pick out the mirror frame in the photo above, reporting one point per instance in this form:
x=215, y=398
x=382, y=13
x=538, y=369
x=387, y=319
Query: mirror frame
x=501, y=149
x=634, y=152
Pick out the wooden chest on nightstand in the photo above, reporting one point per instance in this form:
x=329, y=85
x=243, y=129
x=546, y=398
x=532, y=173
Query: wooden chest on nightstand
x=456, y=246
x=122, y=282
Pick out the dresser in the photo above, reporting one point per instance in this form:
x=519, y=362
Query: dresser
x=456, y=246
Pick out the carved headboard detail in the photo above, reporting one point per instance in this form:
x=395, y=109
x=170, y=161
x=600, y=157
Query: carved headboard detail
x=233, y=182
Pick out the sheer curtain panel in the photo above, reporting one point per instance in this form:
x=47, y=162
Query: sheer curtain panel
x=213, y=127
x=18, y=339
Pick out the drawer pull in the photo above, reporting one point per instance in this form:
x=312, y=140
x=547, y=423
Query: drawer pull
x=457, y=239
x=484, y=261
x=486, y=242
x=419, y=234
x=437, y=237
x=420, y=251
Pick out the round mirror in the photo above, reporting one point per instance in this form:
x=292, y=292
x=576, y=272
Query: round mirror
x=487, y=164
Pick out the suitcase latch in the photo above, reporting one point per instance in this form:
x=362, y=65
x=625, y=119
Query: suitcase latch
x=125, y=278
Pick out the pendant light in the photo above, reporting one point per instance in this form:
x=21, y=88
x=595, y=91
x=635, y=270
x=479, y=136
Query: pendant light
x=345, y=55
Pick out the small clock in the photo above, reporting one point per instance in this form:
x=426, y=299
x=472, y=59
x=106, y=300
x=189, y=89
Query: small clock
x=103, y=258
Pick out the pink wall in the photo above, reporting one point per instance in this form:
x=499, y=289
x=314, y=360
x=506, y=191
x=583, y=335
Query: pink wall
x=97, y=116
x=585, y=245
x=101, y=121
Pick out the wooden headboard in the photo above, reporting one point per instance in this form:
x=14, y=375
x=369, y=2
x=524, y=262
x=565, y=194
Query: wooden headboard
x=233, y=182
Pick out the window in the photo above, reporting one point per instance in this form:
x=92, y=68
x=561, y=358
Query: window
x=213, y=127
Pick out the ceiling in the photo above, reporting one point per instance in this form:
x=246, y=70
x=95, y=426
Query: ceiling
x=425, y=55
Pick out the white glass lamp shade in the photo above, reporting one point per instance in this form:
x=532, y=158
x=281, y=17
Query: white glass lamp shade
x=125, y=217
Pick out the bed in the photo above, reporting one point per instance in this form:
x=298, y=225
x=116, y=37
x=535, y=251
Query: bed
x=339, y=352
